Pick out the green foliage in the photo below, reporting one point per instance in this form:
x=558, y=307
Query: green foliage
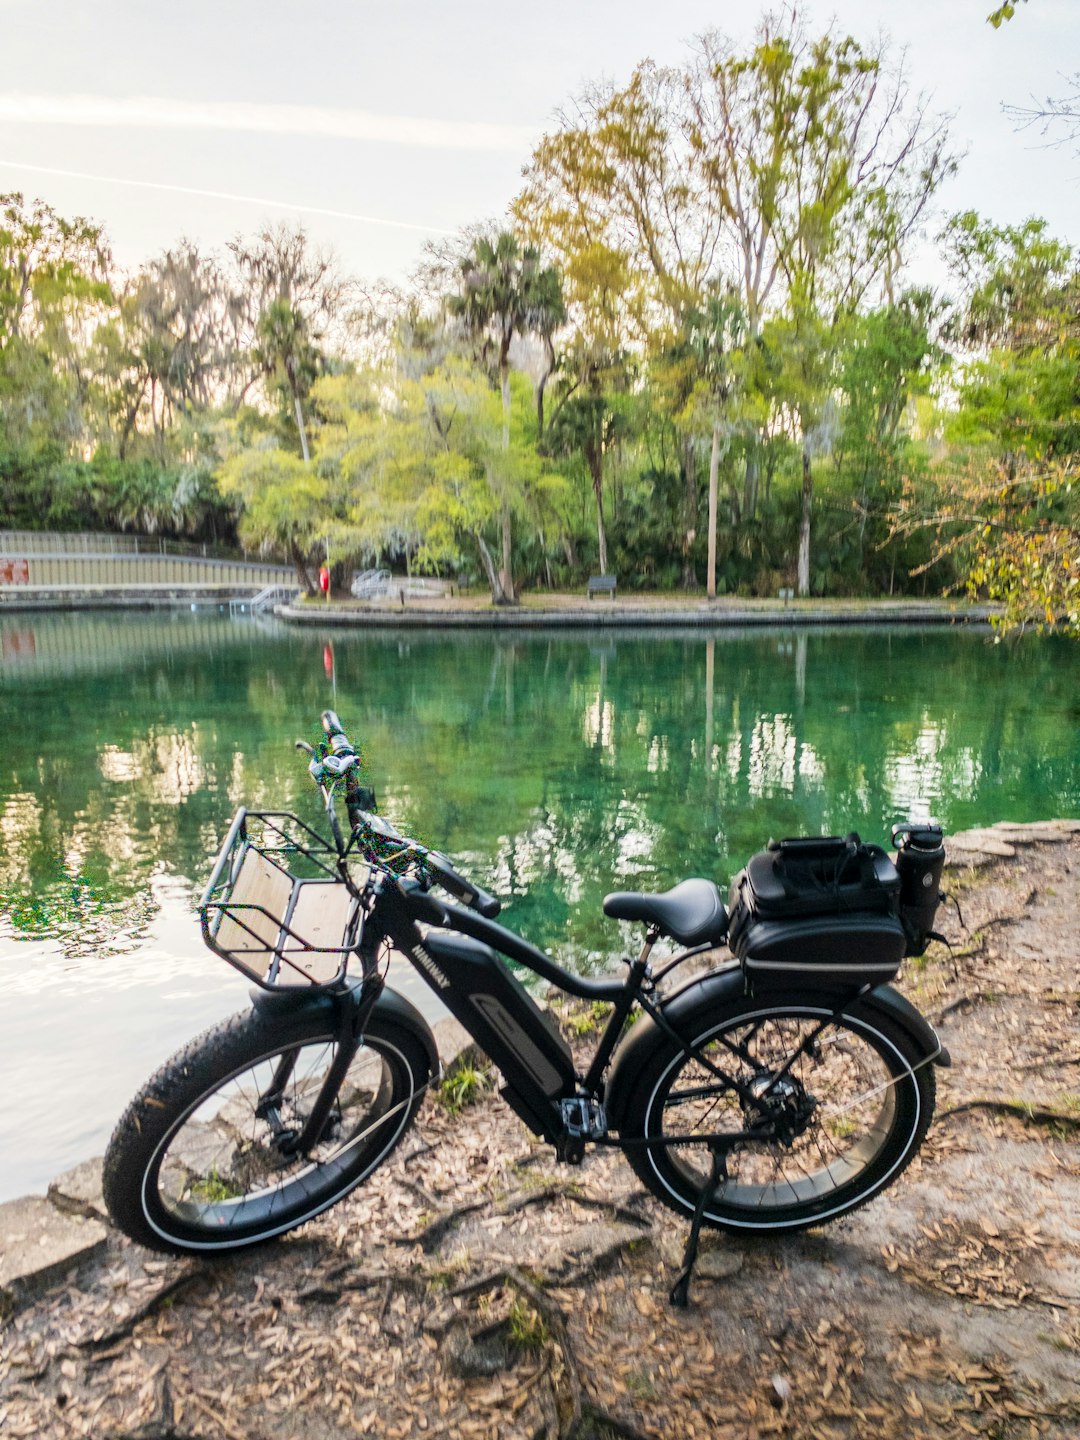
x=282, y=500
x=528, y=1329
x=581, y=1021
x=998, y=16
x=697, y=314
x=1026, y=551
x=463, y=1085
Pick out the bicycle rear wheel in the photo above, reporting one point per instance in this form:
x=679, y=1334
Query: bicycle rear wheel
x=196, y=1163
x=848, y=1112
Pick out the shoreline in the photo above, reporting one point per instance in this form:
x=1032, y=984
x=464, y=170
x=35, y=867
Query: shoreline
x=561, y=611
x=639, y=614
x=506, y=1292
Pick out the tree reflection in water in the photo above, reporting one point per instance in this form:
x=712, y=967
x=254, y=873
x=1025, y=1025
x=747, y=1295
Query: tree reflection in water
x=552, y=767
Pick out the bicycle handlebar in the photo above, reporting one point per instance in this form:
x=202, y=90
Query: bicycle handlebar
x=453, y=881
x=341, y=763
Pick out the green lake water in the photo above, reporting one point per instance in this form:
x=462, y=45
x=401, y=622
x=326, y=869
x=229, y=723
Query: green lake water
x=551, y=767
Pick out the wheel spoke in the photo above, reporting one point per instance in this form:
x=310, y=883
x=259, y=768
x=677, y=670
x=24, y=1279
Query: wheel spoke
x=830, y=1102
x=223, y=1169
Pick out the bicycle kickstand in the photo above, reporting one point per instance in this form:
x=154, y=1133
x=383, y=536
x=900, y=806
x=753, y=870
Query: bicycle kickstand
x=680, y=1291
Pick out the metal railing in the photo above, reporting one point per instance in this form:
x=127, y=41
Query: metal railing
x=60, y=542
x=120, y=572
x=265, y=600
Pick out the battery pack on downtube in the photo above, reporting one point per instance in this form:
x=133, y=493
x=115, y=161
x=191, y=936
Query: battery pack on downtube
x=521, y=1039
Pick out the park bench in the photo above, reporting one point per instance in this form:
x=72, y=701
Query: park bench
x=600, y=585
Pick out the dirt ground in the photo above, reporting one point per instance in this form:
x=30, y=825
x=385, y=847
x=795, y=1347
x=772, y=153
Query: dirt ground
x=475, y=1288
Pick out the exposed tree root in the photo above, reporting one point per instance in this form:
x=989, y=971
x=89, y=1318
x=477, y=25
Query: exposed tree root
x=124, y=1329
x=963, y=1003
x=600, y=1263
x=325, y=1292
x=570, y=1416
x=162, y=1424
x=436, y=1231
x=1035, y=1114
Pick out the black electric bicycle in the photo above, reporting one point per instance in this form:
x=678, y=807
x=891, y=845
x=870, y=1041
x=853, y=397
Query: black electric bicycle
x=777, y=1089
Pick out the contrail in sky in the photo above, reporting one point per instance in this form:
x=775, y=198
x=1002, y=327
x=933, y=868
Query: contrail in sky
x=140, y=111
x=225, y=195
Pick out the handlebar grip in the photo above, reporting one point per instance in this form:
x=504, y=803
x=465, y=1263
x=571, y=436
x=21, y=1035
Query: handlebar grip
x=485, y=904
x=476, y=899
x=340, y=743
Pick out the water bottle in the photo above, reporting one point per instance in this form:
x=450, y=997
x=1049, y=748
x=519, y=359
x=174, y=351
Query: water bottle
x=920, y=858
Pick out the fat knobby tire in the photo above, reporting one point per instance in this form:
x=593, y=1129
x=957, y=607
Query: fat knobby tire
x=194, y=1074
x=676, y=1175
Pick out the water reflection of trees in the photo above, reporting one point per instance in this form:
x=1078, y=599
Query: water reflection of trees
x=553, y=767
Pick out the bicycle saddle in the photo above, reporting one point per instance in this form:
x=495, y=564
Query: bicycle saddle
x=691, y=912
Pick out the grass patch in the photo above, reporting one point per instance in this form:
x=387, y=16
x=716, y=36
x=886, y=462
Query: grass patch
x=463, y=1085
x=212, y=1189
x=527, y=1328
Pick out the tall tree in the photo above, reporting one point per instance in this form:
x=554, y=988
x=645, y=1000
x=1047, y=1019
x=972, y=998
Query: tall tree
x=823, y=169
x=50, y=268
x=612, y=194
x=505, y=291
x=295, y=298
x=888, y=362
x=1017, y=326
x=171, y=350
x=54, y=287
x=715, y=336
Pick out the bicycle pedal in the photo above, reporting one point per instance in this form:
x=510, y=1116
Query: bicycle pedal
x=584, y=1118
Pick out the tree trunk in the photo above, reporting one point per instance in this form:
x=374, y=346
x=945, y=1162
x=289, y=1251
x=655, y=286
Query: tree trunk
x=714, y=472
x=302, y=428
x=750, y=482
x=297, y=558
x=498, y=597
x=804, y=523
x=595, y=458
x=504, y=387
x=506, y=574
x=690, y=517
x=129, y=425
x=541, y=386
x=864, y=506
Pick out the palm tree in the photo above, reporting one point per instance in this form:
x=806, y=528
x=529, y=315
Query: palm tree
x=288, y=356
x=506, y=291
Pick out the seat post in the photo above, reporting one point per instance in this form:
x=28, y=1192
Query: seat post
x=639, y=971
x=639, y=968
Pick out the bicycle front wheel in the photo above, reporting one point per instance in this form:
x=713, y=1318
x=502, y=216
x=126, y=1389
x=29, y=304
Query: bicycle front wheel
x=843, y=1112
x=196, y=1163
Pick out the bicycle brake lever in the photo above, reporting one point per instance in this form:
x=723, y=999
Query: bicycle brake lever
x=338, y=765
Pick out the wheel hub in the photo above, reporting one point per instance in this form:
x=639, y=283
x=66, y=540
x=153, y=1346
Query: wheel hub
x=781, y=1106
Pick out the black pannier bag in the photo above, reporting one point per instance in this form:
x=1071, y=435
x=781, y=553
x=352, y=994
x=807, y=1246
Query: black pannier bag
x=826, y=909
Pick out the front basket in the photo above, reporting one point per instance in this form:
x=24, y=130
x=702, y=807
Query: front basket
x=276, y=906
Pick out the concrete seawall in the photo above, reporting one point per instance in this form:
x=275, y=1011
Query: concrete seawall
x=633, y=614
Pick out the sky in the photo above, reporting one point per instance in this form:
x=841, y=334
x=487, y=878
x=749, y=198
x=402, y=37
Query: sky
x=382, y=125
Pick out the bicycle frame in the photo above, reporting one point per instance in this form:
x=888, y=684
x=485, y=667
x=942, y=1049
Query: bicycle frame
x=458, y=958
